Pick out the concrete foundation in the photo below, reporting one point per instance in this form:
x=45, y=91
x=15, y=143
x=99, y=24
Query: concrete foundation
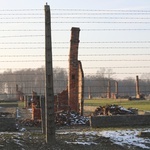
x=120, y=121
x=7, y=124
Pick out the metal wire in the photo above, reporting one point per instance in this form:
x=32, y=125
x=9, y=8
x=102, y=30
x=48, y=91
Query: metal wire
x=84, y=42
x=100, y=10
x=15, y=36
x=56, y=9
x=80, y=47
x=108, y=60
x=101, y=13
x=79, y=55
x=141, y=18
x=140, y=15
x=35, y=22
x=12, y=30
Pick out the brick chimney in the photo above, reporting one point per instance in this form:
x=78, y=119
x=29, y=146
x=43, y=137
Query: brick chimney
x=109, y=89
x=73, y=70
x=116, y=89
x=137, y=87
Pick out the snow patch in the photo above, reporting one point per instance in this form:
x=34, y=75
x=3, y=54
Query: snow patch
x=119, y=137
x=127, y=137
x=81, y=143
x=30, y=109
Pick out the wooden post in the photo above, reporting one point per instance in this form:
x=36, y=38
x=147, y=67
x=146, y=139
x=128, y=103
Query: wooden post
x=49, y=93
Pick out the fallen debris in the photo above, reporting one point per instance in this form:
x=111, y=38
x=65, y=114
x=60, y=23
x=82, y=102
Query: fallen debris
x=109, y=110
x=30, y=123
x=62, y=118
x=6, y=114
x=144, y=134
x=70, y=118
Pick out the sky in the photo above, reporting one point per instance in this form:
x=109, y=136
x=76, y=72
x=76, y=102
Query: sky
x=84, y=4
x=102, y=45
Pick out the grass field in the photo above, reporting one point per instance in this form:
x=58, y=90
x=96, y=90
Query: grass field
x=140, y=104
x=9, y=104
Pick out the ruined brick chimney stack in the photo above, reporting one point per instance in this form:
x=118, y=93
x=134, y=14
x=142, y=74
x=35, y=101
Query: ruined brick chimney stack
x=17, y=94
x=109, y=90
x=89, y=90
x=72, y=98
x=73, y=70
x=137, y=87
x=116, y=88
x=17, y=88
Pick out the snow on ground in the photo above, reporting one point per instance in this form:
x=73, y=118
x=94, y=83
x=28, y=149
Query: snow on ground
x=124, y=137
x=12, y=133
x=30, y=109
x=120, y=137
x=128, y=137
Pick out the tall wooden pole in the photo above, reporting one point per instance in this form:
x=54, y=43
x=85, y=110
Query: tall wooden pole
x=49, y=93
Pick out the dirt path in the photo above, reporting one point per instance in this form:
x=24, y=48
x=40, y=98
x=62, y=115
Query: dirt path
x=8, y=109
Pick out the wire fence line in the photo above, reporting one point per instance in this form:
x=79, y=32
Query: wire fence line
x=108, y=50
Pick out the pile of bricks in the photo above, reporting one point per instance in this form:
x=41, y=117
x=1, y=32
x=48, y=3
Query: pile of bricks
x=70, y=118
x=30, y=123
x=62, y=118
x=109, y=110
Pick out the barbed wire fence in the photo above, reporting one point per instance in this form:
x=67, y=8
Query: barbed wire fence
x=113, y=44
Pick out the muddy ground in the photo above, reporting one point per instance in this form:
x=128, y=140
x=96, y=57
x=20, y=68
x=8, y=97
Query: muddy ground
x=36, y=141
x=31, y=138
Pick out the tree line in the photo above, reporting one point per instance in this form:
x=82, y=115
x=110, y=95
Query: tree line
x=29, y=80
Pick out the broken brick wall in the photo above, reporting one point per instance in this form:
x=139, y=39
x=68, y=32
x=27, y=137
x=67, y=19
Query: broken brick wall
x=36, y=113
x=80, y=87
x=61, y=101
x=36, y=110
x=109, y=90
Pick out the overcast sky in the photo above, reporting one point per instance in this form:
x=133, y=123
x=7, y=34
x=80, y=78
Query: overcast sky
x=90, y=41
x=84, y=4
